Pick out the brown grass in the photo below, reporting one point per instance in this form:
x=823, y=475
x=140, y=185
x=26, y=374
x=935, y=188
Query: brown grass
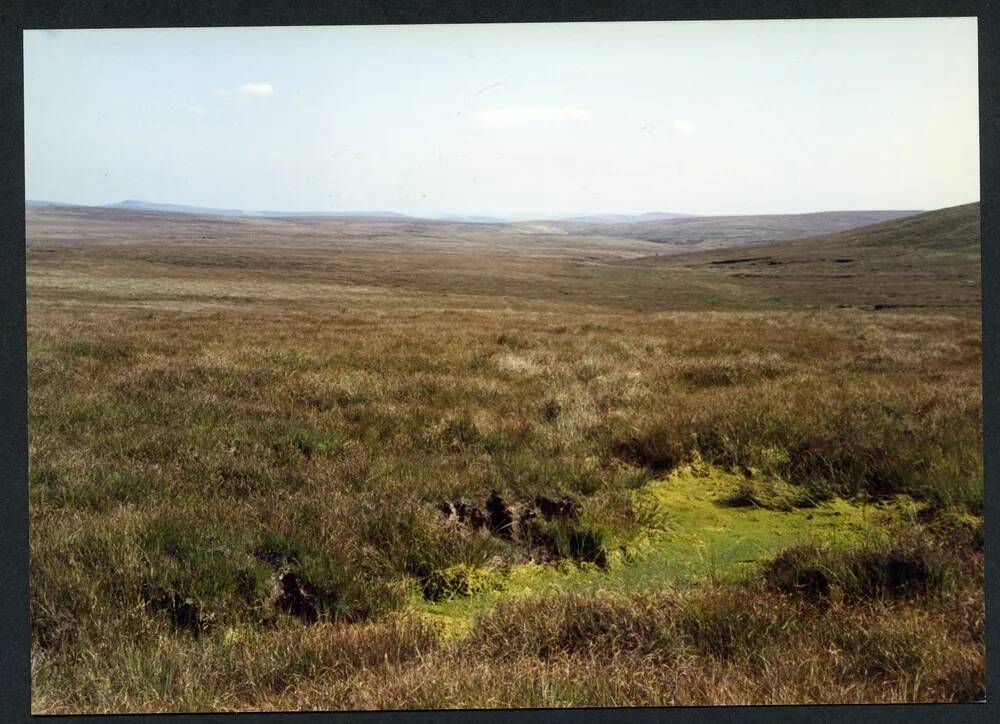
x=205, y=418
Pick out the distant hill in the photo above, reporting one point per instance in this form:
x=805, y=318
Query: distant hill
x=714, y=232
x=680, y=231
x=35, y=204
x=473, y=219
x=931, y=259
x=462, y=218
x=134, y=205
x=208, y=211
x=625, y=218
x=925, y=261
x=675, y=234
x=954, y=231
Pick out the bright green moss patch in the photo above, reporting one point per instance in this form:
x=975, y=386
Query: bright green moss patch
x=699, y=534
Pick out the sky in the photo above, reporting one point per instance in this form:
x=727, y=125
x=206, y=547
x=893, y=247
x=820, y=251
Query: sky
x=512, y=120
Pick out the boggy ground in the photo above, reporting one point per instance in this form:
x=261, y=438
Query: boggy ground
x=244, y=490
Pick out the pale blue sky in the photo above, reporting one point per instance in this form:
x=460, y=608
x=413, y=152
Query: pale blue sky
x=511, y=120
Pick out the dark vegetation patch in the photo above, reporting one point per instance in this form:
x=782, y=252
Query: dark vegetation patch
x=853, y=442
x=574, y=541
x=549, y=410
x=513, y=340
x=499, y=516
x=466, y=513
x=298, y=598
x=654, y=449
x=743, y=260
x=544, y=528
x=732, y=372
x=185, y=613
x=907, y=567
x=53, y=631
x=557, y=507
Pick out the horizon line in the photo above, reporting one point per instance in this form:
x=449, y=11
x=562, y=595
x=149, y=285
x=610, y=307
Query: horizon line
x=524, y=216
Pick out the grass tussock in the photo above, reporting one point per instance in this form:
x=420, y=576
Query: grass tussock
x=853, y=439
x=715, y=644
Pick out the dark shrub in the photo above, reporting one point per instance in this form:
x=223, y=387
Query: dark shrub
x=652, y=449
x=905, y=568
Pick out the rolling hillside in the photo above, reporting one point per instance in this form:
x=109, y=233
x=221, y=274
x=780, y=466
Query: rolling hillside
x=711, y=232
x=159, y=229
x=204, y=210
x=952, y=232
x=624, y=218
x=927, y=261
x=931, y=259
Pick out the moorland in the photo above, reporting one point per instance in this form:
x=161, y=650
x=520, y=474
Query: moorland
x=384, y=462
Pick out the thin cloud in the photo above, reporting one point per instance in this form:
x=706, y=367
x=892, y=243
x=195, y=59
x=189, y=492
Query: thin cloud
x=247, y=90
x=683, y=126
x=515, y=116
x=489, y=87
x=198, y=110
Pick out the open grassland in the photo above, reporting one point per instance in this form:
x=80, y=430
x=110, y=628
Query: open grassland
x=323, y=470
x=721, y=232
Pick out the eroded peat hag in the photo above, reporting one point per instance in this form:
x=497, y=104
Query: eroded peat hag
x=315, y=471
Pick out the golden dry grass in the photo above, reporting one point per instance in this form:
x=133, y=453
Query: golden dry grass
x=204, y=416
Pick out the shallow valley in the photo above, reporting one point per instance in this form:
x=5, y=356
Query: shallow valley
x=389, y=463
